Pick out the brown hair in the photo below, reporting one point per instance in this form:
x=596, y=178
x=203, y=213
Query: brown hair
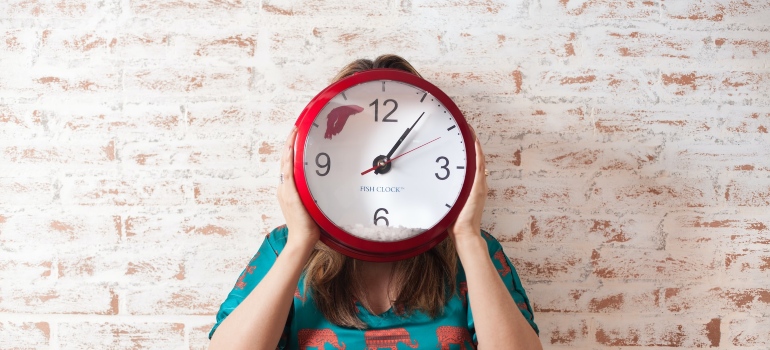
x=423, y=283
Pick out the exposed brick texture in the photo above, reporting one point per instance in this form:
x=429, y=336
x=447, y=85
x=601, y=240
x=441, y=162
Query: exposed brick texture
x=627, y=143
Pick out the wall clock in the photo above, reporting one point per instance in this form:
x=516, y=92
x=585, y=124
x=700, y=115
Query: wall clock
x=384, y=162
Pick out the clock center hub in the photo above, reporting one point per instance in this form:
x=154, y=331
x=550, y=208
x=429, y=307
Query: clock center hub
x=382, y=164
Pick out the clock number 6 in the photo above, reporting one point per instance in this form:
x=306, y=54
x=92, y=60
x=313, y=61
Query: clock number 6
x=445, y=167
x=376, y=109
x=327, y=164
x=378, y=218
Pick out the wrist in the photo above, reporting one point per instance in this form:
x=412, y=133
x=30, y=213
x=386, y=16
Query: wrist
x=465, y=242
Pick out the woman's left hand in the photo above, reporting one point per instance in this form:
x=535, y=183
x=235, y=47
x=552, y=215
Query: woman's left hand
x=468, y=223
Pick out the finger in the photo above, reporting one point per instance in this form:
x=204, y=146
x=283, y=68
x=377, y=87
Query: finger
x=287, y=158
x=481, y=166
x=480, y=160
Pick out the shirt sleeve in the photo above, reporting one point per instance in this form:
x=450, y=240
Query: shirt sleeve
x=511, y=280
x=256, y=269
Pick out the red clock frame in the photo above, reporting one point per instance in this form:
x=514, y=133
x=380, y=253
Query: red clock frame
x=339, y=239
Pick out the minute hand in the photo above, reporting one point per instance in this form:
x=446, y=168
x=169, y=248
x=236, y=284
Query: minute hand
x=403, y=136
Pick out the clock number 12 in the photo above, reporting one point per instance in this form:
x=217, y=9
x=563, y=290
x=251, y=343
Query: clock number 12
x=376, y=109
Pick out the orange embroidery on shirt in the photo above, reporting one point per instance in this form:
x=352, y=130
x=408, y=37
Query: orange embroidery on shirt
x=448, y=335
x=317, y=338
x=388, y=338
x=500, y=256
x=241, y=283
x=299, y=296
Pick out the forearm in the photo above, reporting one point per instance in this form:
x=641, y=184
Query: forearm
x=257, y=323
x=498, y=321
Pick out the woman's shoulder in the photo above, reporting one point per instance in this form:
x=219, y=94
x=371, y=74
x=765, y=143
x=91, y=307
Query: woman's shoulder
x=277, y=238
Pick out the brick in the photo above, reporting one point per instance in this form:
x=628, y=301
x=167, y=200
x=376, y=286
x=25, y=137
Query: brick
x=602, y=9
x=223, y=121
x=92, y=79
x=605, y=299
x=233, y=192
x=734, y=84
x=206, y=11
x=123, y=192
x=91, y=299
x=563, y=330
x=311, y=8
x=722, y=300
x=745, y=332
x=717, y=11
x=552, y=264
x=17, y=43
x=48, y=227
x=491, y=42
x=131, y=121
x=645, y=331
x=544, y=194
x=32, y=156
x=175, y=81
x=76, y=43
x=664, y=121
x=494, y=9
x=748, y=158
x=742, y=45
x=177, y=300
x=19, y=121
x=587, y=157
x=743, y=194
x=628, y=44
x=657, y=192
x=637, y=85
x=68, y=10
x=232, y=45
x=117, y=335
x=27, y=191
x=25, y=268
x=234, y=154
x=24, y=335
x=659, y=265
x=732, y=231
x=496, y=82
x=626, y=231
x=223, y=227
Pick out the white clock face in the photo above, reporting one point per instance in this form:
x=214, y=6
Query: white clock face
x=417, y=181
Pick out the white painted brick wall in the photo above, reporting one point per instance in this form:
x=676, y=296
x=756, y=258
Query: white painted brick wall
x=627, y=142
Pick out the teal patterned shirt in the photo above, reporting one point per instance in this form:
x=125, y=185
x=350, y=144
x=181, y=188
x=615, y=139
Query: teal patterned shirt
x=306, y=327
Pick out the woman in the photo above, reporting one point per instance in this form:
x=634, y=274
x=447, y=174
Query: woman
x=297, y=293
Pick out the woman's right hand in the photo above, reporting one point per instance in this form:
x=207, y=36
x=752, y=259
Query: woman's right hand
x=303, y=231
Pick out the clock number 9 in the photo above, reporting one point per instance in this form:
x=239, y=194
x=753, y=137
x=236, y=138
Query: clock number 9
x=378, y=218
x=445, y=167
x=327, y=164
x=375, y=104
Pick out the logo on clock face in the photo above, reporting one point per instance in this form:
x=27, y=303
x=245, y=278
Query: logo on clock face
x=337, y=118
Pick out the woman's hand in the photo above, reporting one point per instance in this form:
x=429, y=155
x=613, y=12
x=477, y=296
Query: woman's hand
x=303, y=231
x=468, y=223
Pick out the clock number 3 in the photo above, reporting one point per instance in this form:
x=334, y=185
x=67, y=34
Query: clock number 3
x=445, y=167
x=376, y=109
x=327, y=164
x=378, y=218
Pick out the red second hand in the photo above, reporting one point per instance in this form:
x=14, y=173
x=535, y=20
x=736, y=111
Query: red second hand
x=398, y=156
